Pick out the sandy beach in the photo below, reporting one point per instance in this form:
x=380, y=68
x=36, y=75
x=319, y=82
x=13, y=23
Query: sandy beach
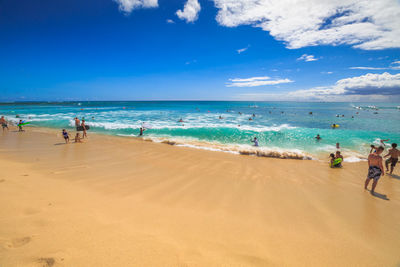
x=115, y=201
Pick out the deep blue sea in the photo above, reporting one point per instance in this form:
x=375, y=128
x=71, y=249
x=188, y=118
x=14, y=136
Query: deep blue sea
x=281, y=127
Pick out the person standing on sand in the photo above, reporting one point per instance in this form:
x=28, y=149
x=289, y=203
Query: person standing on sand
x=394, y=154
x=3, y=123
x=375, y=169
x=77, y=123
x=84, y=129
x=20, y=126
x=65, y=135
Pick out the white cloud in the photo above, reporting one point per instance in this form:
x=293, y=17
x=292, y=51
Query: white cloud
x=190, y=11
x=377, y=87
x=128, y=5
x=307, y=58
x=239, y=51
x=393, y=66
x=255, y=81
x=326, y=72
x=370, y=84
x=363, y=24
x=170, y=21
x=366, y=68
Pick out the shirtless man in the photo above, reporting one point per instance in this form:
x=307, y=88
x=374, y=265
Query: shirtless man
x=3, y=123
x=394, y=154
x=375, y=169
x=77, y=123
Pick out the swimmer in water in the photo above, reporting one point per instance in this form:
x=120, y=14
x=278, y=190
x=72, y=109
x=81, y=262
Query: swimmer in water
x=180, y=120
x=255, y=141
x=318, y=137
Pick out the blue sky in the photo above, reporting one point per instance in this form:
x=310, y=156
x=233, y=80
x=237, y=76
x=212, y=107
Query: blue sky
x=107, y=50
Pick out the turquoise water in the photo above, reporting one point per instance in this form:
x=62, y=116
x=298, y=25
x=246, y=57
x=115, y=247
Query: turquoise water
x=279, y=126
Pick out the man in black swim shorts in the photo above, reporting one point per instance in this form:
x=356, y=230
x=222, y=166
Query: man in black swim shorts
x=394, y=154
x=375, y=169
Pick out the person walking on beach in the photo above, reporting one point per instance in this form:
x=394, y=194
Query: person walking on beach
x=20, y=126
x=65, y=135
x=394, y=154
x=84, y=129
x=3, y=123
x=77, y=123
x=375, y=169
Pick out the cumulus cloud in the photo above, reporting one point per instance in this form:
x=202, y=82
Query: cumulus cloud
x=128, y=5
x=307, y=58
x=190, y=11
x=363, y=24
x=255, y=81
x=384, y=84
x=376, y=87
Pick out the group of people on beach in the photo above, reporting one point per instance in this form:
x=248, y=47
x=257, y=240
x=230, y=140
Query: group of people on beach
x=80, y=126
x=375, y=164
x=4, y=124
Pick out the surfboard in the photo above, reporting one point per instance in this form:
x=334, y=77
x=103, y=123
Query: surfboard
x=335, y=126
x=23, y=123
x=80, y=128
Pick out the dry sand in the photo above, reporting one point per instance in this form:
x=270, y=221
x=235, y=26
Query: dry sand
x=122, y=202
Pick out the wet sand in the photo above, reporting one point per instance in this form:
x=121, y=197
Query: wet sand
x=115, y=201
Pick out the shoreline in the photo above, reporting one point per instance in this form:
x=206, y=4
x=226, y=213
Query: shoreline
x=115, y=201
x=238, y=149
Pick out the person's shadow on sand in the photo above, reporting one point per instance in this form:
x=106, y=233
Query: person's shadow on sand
x=395, y=177
x=381, y=196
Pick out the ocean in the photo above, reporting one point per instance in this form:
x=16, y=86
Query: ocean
x=284, y=129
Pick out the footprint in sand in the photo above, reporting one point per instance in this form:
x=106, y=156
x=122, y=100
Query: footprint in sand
x=46, y=262
x=2, y=180
x=31, y=211
x=19, y=242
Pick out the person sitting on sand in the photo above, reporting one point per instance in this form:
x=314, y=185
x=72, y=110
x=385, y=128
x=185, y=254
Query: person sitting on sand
x=84, y=129
x=3, y=123
x=332, y=161
x=318, y=137
x=394, y=154
x=375, y=168
x=78, y=138
x=336, y=160
x=65, y=135
x=255, y=141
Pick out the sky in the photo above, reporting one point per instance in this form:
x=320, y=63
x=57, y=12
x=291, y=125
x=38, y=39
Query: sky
x=308, y=50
